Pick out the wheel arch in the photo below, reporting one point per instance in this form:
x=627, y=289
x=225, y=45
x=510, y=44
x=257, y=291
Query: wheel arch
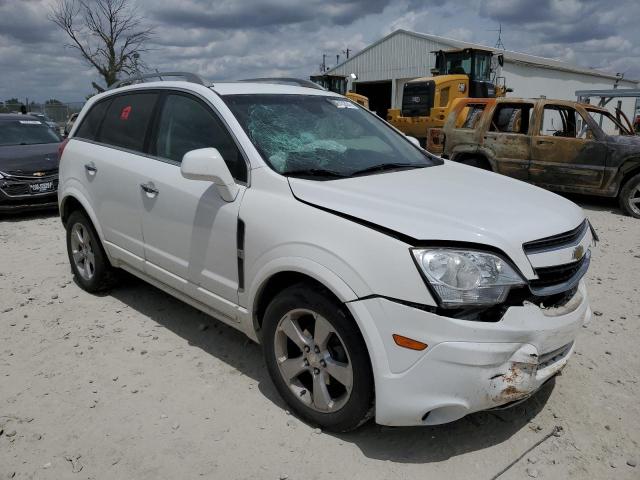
x=477, y=155
x=282, y=273
x=74, y=200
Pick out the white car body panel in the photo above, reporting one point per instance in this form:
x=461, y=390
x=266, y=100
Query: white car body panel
x=354, y=237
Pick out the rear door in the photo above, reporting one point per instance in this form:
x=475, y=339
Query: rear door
x=566, y=154
x=114, y=133
x=189, y=230
x=508, y=138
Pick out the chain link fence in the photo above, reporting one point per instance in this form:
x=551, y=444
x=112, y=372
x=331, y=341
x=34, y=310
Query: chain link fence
x=56, y=112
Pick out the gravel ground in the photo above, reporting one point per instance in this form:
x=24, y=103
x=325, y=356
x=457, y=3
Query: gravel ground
x=136, y=385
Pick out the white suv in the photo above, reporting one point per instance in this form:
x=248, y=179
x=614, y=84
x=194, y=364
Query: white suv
x=380, y=280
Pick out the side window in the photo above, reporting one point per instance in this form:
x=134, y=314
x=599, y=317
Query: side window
x=560, y=121
x=186, y=124
x=470, y=116
x=125, y=124
x=89, y=127
x=511, y=118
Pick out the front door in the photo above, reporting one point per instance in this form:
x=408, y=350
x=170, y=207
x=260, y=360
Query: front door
x=565, y=153
x=507, y=137
x=189, y=230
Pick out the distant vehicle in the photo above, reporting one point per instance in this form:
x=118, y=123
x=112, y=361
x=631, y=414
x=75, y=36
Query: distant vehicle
x=380, y=279
x=69, y=125
x=28, y=163
x=45, y=119
x=559, y=145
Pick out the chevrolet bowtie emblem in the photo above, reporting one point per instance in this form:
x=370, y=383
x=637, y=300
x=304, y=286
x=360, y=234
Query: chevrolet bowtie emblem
x=578, y=252
x=38, y=174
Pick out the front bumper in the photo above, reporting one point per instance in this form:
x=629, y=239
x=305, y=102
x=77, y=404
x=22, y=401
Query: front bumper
x=15, y=195
x=468, y=366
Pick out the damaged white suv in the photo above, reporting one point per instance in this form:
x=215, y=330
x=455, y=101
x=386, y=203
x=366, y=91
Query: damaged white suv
x=380, y=280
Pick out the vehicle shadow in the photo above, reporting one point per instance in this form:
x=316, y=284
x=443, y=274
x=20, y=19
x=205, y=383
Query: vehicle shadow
x=26, y=216
x=401, y=444
x=604, y=204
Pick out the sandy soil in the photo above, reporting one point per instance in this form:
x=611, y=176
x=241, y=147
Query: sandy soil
x=137, y=385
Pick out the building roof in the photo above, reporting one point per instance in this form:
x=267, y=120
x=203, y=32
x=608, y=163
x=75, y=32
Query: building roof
x=509, y=55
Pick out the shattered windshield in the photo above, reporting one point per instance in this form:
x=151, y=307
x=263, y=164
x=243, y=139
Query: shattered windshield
x=321, y=136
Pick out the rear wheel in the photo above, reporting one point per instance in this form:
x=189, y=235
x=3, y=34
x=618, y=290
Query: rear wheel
x=477, y=162
x=629, y=196
x=317, y=359
x=88, y=260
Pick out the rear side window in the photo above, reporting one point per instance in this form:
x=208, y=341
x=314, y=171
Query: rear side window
x=511, y=118
x=187, y=124
x=470, y=116
x=128, y=116
x=89, y=127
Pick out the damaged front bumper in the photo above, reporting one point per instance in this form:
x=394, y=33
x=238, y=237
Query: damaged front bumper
x=468, y=366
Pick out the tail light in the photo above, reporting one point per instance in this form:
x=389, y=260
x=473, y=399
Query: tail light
x=61, y=148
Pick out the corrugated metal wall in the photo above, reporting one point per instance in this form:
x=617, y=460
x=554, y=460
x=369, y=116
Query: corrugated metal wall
x=400, y=56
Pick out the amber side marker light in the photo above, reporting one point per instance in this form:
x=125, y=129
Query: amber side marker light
x=409, y=343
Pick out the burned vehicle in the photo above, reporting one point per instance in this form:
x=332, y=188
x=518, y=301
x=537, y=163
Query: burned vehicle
x=558, y=145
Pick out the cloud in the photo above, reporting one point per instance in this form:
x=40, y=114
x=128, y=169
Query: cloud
x=226, y=39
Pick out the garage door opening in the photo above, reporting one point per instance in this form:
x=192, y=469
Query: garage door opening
x=379, y=95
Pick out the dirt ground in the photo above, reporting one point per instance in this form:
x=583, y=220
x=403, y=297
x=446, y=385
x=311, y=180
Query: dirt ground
x=136, y=385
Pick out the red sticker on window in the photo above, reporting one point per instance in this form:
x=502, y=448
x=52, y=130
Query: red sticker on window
x=124, y=115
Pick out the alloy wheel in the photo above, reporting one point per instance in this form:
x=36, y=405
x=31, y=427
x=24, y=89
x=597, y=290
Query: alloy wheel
x=313, y=360
x=634, y=199
x=82, y=251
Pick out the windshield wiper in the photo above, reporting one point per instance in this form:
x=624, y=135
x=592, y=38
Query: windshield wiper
x=385, y=167
x=313, y=172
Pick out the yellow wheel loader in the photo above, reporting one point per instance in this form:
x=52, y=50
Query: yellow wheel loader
x=338, y=84
x=426, y=101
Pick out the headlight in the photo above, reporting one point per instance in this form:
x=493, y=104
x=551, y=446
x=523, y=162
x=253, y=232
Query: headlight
x=464, y=277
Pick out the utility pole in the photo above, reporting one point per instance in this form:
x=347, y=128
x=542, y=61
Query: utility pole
x=324, y=63
x=347, y=52
x=499, y=43
x=337, y=59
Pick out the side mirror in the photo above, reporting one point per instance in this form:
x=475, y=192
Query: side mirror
x=501, y=60
x=207, y=164
x=415, y=141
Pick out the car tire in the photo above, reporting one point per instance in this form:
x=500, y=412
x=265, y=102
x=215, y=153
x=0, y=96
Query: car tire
x=629, y=196
x=480, y=163
x=89, y=262
x=333, y=383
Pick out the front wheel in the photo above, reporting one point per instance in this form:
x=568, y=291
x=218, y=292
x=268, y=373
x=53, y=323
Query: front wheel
x=629, y=197
x=317, y=359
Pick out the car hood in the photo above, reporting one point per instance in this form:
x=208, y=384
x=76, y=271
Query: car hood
x=27, y=159
x=450, y=202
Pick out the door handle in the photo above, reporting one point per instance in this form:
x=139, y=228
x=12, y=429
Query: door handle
x=91, y=168
x=545, y=142
x=149, y=188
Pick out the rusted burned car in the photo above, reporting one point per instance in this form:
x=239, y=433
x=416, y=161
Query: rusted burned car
x=559, y=145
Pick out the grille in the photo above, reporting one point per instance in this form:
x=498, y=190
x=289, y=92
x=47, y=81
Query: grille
x=16, y=189
x=548, y=276
x=29, y=173
x=556, y=241
x=554, y=356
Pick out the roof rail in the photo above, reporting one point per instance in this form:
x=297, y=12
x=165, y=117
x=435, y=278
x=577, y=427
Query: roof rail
x=285, y=81
x=189, y=77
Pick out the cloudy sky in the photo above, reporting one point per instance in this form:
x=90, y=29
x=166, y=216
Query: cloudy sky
x=226, y=39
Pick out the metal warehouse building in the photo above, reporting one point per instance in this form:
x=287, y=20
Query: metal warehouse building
x=385, y=66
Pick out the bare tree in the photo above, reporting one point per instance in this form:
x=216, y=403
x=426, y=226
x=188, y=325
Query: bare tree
x=109, y=34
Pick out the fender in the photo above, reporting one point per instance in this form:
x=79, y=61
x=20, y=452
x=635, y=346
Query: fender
x=336, y=285
x=74, y=188
x=302, y=265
